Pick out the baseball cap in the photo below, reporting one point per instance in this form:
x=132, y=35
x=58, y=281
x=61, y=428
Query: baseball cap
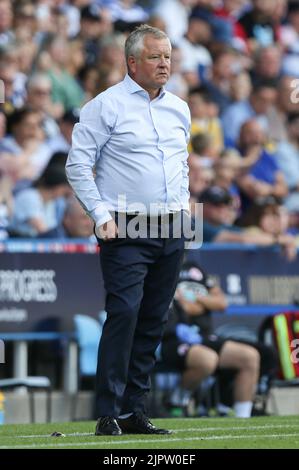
x=216, y=195
x=71, y=116
x=91, y=12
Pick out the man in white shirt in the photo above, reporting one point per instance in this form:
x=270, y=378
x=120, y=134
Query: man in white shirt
x=134, y=136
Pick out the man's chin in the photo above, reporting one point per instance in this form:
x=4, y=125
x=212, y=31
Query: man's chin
x=162, y=80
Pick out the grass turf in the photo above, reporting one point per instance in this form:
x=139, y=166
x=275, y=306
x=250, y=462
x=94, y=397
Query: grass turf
x=198, y=433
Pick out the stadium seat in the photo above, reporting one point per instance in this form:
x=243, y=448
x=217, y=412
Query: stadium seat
x=88, y=332
x=31, y=383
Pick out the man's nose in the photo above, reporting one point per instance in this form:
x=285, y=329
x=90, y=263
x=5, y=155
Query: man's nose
x=163, y=62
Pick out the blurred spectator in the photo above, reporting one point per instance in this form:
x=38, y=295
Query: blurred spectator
x=219, y=214
x=39, y=88
x=262, y=98
x=94, y=25
x=35, y=210
x=89, y=79
x=285, y=104
x=61, y=142
x=202, y=120
x=176, y=83
x=264, y=177
x=201, y=175
x=202, y=145
x=7, y=35
x=290, y=30
x=268, y=63
x=259, y=27
x=240, y=87
x=112, y=66
x=269, y=216
x=75, y=223
x=170, y=11
x=6, y=206
x=126, y=15
x=231, y=10
x=227, y=169
x=196, y=56
x=226, y=66
x=287, y=159
x=13, y=96
x=76, y=57
x=23, y=152
x=65, y=88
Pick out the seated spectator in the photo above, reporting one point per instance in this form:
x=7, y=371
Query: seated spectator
x=290, y=30
x=204, y=117
x=39, y=99
x=24, y=153
x=284, y=105
x=61, y=142
x=6, y=206
x=287, y=159
x=190, y=345
x=264, y=177
x=202, y=145
x=240, y=87
x=201, y=175
x=231, y=10
x=75, y=223
x=261, y=99
x=219, y=215
x=169, y=11
x=35, y=209
x=268, y=216
x=176, y=83
x=268, y=63
x=66, y=90
x=196, y=56
x=258, y=24
x=14, y=99
x=227, y=168
x=226, y=66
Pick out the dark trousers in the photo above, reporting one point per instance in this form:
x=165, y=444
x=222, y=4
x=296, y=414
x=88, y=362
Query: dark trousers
x=140, y=277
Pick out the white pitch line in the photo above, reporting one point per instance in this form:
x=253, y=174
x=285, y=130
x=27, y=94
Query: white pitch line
x=208, y=429
x=149, y=441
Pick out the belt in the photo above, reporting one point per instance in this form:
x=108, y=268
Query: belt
x=157, y=218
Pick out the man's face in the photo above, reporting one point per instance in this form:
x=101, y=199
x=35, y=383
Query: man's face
x=263, y=100
x=152, y=69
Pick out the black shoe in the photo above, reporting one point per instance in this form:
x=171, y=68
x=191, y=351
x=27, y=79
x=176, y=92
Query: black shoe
x=138, y=423
x=107, y=426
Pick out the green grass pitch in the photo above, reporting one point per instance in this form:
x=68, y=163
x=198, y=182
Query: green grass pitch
x=196, y=433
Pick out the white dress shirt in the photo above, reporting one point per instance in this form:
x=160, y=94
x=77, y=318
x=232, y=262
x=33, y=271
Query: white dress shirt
x=137, y=149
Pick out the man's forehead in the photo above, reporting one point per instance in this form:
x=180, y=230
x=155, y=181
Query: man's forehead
x=156, y=44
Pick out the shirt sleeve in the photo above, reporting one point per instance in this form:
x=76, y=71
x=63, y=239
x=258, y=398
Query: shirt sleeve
x=185, y=194
x=97, y=120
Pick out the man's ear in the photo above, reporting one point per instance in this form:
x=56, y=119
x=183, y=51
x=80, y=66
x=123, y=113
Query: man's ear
x=132, y=64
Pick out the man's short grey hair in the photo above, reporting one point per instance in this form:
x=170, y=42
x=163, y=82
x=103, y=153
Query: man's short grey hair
x=134, y=42
x=38, y=79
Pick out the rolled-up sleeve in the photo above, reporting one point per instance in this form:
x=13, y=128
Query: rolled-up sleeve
x=89, y=136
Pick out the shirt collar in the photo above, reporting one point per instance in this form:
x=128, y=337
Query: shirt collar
x=134, y=87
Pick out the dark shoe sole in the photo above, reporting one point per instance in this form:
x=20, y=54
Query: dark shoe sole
x=107, y=434
x=124, y=431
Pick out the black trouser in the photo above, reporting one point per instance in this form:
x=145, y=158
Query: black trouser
x=140, y=277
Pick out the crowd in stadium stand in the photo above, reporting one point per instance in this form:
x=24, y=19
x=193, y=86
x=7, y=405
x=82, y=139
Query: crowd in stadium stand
x=236, y=63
